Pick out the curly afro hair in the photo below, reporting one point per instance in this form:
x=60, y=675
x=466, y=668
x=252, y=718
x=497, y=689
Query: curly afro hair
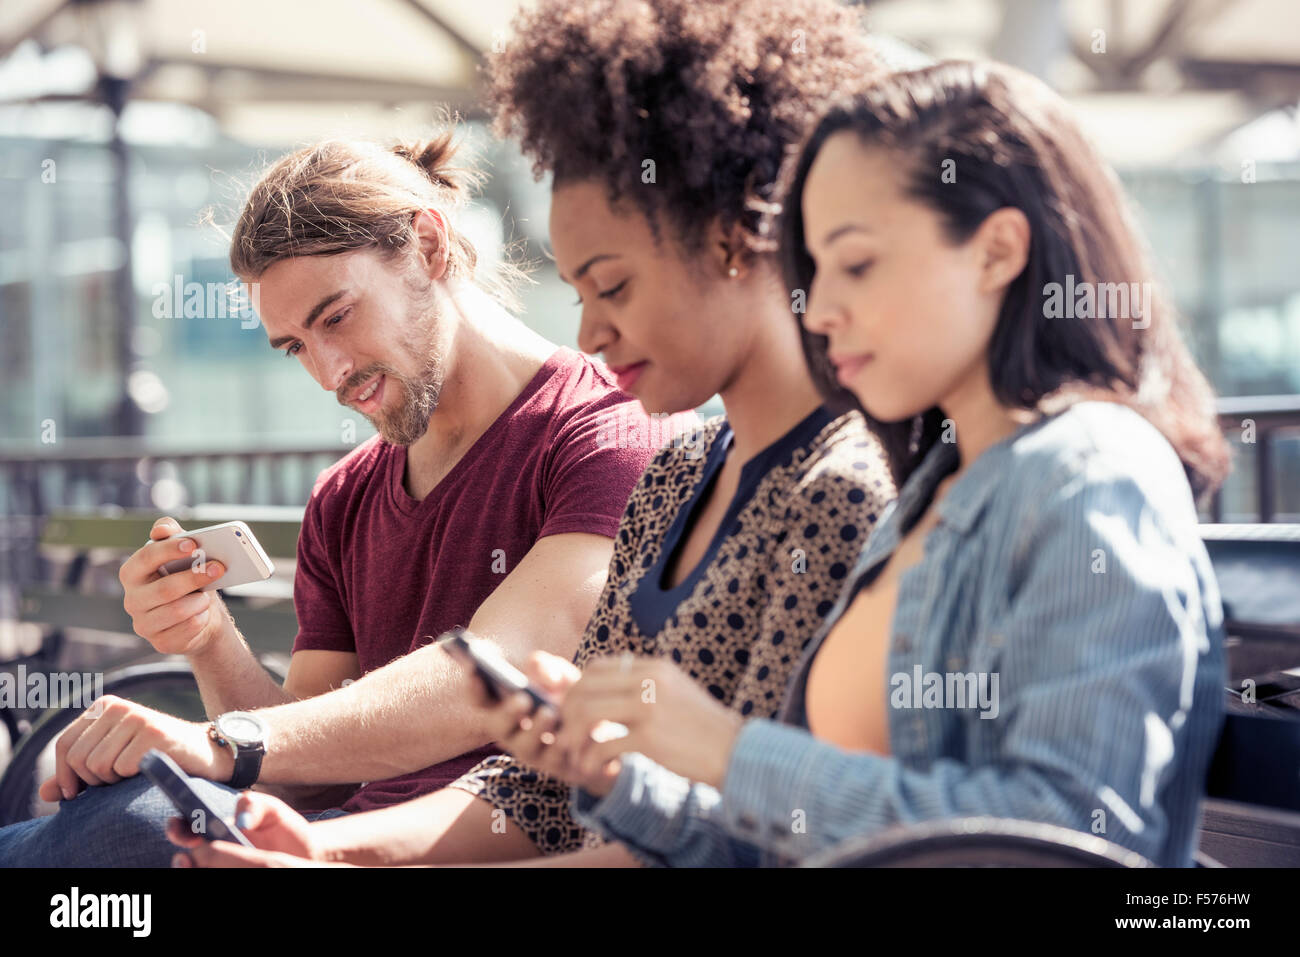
x=715, y=92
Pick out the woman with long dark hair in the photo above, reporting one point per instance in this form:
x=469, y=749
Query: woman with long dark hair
x=1033, y=630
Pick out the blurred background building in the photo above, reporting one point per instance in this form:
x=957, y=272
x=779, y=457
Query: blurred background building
x=122, y=121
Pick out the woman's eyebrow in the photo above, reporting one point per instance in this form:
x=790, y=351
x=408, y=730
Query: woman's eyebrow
x=839, y=231
x=581, y=270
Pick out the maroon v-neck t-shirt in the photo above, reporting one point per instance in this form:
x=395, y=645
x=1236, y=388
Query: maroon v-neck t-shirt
x=379, y=573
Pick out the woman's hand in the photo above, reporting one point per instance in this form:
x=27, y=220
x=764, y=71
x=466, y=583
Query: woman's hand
x=530, y=735
x=281, y=837
x=669, y=718
x=617, y=705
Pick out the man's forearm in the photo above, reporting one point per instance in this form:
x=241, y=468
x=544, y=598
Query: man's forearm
x=229, y=675
x=607, y=855
x=446, y=827
x=420, y=709
x=410, y=714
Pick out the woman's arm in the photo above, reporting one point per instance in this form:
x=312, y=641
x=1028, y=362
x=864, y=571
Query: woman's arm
x=664, y=819
x=607, y=855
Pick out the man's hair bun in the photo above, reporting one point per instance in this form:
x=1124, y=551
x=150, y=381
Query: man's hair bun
x=434, y=157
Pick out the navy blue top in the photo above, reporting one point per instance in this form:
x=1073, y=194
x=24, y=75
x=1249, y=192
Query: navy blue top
x=652, y=602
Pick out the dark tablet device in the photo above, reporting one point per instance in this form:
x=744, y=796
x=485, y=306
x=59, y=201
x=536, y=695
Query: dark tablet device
x=500, y=676
x=198, y=813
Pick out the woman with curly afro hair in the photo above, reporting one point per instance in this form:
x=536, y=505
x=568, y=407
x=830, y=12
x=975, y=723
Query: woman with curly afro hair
x=664, y=126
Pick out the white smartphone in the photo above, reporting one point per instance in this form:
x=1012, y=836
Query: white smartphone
x=232, y=544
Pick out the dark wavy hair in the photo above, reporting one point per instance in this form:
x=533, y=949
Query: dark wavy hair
x=1013, y=143
x=716, y=92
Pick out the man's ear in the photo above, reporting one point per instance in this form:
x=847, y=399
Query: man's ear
x=1002, y=242
x=432, y=240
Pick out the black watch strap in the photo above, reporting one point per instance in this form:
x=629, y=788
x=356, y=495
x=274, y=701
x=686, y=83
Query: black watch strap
x=248, y=759
x=248, y=765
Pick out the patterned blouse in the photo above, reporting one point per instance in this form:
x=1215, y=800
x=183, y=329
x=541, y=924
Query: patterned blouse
x=739, y=620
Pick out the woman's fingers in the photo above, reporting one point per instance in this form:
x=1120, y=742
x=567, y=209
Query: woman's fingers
x=551, y=673
x=596, y=770
x=535, y=733
x=586, y=708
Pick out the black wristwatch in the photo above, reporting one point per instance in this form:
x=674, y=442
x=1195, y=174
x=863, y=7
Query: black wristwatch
x=245, y=735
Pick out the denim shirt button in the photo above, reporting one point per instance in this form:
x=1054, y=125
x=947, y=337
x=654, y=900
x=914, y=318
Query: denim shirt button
x=748, y=823
x=903, y=642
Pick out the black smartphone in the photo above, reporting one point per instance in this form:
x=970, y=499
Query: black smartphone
x=500, y=676
x=198, y=813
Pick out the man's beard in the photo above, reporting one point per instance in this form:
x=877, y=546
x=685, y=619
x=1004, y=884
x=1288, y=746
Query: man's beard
x=419, y=395
x=418, y=401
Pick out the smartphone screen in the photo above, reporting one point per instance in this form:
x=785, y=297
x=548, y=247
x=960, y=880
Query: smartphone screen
x=500, y=676
x=199, y=816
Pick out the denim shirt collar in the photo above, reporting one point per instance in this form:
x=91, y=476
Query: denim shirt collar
x=965, y=500
x=961, y=506
x=959, y=509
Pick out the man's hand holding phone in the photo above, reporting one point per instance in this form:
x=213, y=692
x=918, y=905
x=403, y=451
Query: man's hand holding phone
x=176, y=616
x=169, y=611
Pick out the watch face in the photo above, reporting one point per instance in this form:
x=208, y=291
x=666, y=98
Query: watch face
x=241, y=728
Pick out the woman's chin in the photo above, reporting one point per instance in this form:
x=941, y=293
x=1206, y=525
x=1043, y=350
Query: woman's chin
x=883, y=410
x=653, y=406
x=671, y=402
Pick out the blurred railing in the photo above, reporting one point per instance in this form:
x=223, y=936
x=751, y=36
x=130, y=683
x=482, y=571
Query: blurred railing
x=147, y=473
x=1256, y=422
x=99, y=474
x=104, y=475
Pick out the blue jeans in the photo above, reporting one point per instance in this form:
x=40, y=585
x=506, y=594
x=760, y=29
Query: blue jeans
x=118, y=825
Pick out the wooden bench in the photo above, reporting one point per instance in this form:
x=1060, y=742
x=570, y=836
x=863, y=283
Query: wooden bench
x=1251, y=815
x=79, y=543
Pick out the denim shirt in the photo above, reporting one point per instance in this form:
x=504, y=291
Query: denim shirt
x=1067, y=581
